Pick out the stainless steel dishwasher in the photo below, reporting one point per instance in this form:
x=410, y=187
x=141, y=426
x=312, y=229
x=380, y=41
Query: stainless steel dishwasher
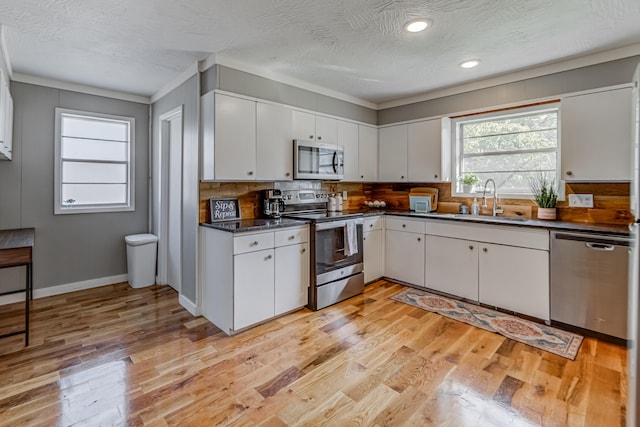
x=589, y=281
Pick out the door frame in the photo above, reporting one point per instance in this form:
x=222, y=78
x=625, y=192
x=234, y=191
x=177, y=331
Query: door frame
x=163, y=193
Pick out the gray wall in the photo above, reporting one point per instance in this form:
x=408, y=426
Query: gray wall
x=74, y=247
x=187, y=95
x=585, y=78
x=224, y=78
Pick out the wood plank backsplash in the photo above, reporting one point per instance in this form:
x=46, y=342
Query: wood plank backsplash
x=611, y=200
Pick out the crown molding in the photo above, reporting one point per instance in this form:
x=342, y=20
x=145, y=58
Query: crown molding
x=240, y=66
x=74, y=87
x=192, y=70
x=529, y=73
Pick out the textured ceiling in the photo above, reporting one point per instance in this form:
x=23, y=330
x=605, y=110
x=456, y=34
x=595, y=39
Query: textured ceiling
x=355, y=47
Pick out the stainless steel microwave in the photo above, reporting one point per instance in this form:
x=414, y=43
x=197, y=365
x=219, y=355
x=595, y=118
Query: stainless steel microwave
x=317, y=160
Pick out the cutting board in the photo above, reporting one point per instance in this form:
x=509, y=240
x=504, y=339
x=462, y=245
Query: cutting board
x=426, y=191
x=449, y=207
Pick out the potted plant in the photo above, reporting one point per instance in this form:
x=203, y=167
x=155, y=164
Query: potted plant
x=469, y=182
x=545, y=193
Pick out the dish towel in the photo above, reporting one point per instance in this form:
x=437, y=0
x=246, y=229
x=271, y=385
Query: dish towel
x=350, y=238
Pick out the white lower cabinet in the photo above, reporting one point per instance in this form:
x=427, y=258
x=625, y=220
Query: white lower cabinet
x=247, y=278
x=515, y=279
x=452, y=266
x=373, y=255
x=291, y=277
x=404, y=252
x=253, y=277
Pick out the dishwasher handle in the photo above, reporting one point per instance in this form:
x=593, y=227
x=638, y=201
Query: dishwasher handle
x=600, y=247
x=597, y=240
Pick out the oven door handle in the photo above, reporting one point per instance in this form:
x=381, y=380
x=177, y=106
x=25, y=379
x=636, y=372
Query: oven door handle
x=336, y=224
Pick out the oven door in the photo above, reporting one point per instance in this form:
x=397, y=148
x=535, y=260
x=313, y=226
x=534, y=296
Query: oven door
x=331, y=261
x=314, y=160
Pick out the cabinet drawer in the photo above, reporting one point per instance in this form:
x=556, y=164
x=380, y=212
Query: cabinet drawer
x=405, y=224
x=373, y=223
x=252, y=242
x=291, y=236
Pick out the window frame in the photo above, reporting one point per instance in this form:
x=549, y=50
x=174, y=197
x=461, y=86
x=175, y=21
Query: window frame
x=58, y=207
x=456, y=141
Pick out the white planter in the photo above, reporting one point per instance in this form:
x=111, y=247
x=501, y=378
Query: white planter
x=466, y=188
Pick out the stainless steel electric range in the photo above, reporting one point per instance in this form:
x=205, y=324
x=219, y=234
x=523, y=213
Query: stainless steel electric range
x=336, y=247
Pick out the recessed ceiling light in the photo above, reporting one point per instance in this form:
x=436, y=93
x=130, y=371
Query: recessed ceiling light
x=470, y=64
x=416, y=25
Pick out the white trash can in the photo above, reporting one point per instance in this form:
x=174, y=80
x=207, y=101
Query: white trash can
x=141, y=259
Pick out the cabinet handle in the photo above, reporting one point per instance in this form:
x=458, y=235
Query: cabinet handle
x=569, y=173
x=250, y=172
x=304, y=250
x=254, y=243
x=292, y=237
x=268, y=257
x=485, y=250
x=471, y=247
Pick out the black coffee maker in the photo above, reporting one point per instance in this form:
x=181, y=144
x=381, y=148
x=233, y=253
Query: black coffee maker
x=273, y=204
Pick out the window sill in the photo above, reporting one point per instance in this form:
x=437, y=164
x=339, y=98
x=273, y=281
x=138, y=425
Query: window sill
x=66, y=211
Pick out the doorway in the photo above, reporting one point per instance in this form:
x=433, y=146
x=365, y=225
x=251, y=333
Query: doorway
x=170, y=239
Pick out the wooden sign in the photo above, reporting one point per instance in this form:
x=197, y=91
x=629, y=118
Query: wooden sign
x=224, y=209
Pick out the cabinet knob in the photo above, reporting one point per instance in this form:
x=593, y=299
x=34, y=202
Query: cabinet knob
x=404, y=225
x=569, y=173
x=361, y=176
x=254, y=243
x=471, y=247
x=370, y=225
x=292, y=237
x=419, y=239
x=435, y=176
x=402, y=177
x=364, y=238
x=287, y=174
x=250, y=172
x=485, y=250
x=303, y=250
x=319, y=137
x=268, y=257
x=310, y=136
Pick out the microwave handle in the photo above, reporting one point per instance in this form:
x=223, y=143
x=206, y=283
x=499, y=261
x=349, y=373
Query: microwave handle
x=334, y=162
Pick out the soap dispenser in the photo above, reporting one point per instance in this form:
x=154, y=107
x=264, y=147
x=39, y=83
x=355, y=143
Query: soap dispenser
x=475, y=207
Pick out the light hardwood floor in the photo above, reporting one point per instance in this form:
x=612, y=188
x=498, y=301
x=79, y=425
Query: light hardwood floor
x=121, y=356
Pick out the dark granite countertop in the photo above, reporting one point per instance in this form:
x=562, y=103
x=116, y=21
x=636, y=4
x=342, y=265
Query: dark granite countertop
x=511, y=221
x=256, y=224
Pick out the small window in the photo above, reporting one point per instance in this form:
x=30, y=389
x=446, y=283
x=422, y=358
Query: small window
x=94, y=162
x=509, y=146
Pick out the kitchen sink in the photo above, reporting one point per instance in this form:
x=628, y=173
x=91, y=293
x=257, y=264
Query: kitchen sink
x=491, y=218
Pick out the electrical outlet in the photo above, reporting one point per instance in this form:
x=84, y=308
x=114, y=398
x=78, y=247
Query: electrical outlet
x=581, y=200
x=344, y=195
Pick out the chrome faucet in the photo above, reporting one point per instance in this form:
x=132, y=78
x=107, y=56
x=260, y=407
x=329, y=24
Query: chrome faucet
x=495, y=196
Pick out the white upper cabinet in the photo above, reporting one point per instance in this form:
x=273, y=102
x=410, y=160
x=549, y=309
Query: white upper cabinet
x=235, y=138
x=595, y=136
x=348, y=138
x=367, y=153
x=274, y=137
x=310, y=127
x=392, y=164
x=424, y=151
x=6, y=121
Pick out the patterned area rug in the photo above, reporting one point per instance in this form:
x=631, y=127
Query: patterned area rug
x=565, y=344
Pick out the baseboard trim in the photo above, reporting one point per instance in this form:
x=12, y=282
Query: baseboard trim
x=189, y=305
x=65, y=288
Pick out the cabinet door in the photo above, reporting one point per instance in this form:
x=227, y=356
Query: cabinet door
x=392, y=165
x=348, y=138
x=452, y=266
x=514, y=279
x=367, y=153
x=304, y=125
x=404, y=254
x=424, y=151
x=291, y=277
x=274, y=143
x=326, y=130
x=373, y=255
x=235, y=138
x=596, y=130
x=253, y=278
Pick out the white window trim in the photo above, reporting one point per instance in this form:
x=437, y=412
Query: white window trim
x=456, y=150
x=58, y=209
